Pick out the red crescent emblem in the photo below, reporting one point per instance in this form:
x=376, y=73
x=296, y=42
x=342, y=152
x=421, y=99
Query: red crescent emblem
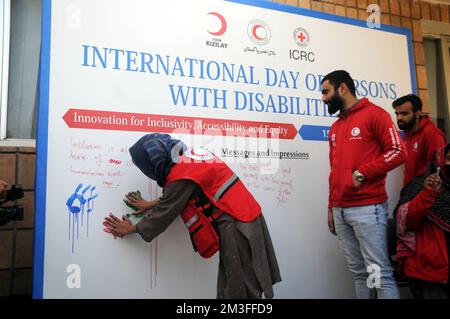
x=256, y=27
x=223, y=23
x=193, y=152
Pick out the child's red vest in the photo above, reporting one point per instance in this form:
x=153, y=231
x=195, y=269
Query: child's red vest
x=223, y=188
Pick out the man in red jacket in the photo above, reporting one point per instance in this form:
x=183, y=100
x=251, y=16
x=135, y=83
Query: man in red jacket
x=364, y=147
x=423, y=227
x=422, y=137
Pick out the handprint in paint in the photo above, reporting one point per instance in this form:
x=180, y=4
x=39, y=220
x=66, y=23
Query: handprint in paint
x=76, y=204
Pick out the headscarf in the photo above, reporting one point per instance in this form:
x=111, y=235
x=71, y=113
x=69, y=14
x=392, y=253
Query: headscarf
x=155, y=154
x=439, y=213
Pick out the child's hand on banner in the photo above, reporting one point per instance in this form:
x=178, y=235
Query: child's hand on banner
x=135, y=201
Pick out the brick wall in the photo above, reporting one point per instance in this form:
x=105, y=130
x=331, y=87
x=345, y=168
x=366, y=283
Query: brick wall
x=402, y=13
x=17, y=165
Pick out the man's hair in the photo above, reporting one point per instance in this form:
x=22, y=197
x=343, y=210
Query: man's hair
x=416, y=102
x=336, y=78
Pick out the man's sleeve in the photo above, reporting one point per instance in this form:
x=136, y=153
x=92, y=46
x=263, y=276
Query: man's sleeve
x=170, y=205
x=393, y=149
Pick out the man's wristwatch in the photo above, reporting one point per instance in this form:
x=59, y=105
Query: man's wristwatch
x=359, y=177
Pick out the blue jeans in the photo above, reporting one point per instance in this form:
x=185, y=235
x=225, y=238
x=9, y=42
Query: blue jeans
x=362, y=234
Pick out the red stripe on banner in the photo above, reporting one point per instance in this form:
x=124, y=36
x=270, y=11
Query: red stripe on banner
x=123, y=121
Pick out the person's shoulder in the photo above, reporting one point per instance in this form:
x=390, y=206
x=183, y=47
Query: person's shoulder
x=375, y=112
x=181, y=184
x=429, y=130
x=428, y=125
x=367, y=106
x=335, y=123
x=374, y=108
x=179, y=188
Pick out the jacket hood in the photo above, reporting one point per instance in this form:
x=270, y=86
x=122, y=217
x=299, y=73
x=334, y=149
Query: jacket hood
x=361, y=104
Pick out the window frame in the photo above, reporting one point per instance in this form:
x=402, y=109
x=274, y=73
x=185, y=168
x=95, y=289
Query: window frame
x=440, y=31
x=4, y=66
x=5, y=52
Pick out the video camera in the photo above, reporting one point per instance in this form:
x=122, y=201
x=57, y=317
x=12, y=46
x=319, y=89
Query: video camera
x=14, y=212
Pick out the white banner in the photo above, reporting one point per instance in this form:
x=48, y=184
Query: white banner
x=241, y=78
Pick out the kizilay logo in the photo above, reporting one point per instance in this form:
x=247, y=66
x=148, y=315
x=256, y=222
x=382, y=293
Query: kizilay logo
x=374, y=278
x=74, y=278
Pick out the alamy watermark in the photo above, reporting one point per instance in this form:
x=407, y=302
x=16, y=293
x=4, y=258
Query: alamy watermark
x=374, y=278
x=374, y=19
x=74, y=278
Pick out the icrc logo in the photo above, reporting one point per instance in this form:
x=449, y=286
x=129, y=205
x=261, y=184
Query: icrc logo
x=259, y=32
x=301, y=37
x=356, y=131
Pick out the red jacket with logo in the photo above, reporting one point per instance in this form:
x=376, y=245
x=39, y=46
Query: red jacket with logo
x=214, y=176
x=428, y=258
x=364, y=139
x=420, y=147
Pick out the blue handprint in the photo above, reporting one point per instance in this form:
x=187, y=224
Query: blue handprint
x=75, y=204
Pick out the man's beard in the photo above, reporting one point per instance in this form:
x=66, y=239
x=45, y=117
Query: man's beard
x=406, y=126
x=335, y=104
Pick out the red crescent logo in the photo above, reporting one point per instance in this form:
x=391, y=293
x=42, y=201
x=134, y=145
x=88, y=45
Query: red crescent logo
x=223, y=27
x=256, y=27
x=193, y=152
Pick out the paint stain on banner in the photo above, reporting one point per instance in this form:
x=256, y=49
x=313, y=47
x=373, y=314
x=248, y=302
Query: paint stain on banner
x=80, y=205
